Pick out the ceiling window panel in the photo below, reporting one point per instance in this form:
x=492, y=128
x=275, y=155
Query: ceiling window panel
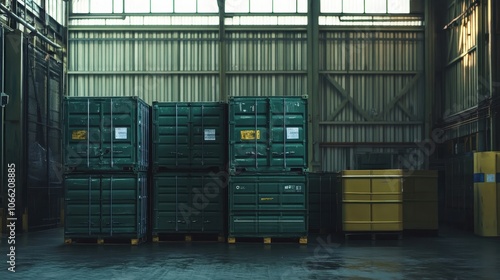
x=261, y=6
x=137, y=6
x=353, y=6
x=329, y=6
x=162, y=6
x=302, y=6
x=398, y=6
x=208, y=6
x=185, y=6
x=101, y=6
x=118, y=6
x=285, y=6
x=80, y=6
x=237, y=6
x=376, y=6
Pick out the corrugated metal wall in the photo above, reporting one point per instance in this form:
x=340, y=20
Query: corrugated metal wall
x=43, y=131
x=156, y=66
x=184, y=66
x=371, y=90
x=267, y=64
x=461, y=59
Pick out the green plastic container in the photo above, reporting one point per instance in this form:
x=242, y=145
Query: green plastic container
x=268, y=206
x=267, y=134
x=106, y=206
x=189, y=135
x=188, y=203
x=106, y=134
x=322, y=202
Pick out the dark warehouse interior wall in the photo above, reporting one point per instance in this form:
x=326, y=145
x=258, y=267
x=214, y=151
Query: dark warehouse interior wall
x=43, y=92
x=32, y=133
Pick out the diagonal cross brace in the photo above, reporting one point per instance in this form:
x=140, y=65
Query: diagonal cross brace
x=338, y=110
x=402, y=93
x=348, y=99
x=407, y=112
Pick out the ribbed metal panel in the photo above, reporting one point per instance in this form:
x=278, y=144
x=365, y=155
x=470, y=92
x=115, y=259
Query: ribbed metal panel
x=267, y=64
x=372, y=93
x=462, y=130
x=372, y=133
x=267, y=85
x=156, y=66
x=461, y=60
x=374, y=69
x=345, y=158
x=150, y=88
x=57, y=10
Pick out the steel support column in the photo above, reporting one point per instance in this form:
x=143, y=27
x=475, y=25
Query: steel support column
x=483, y=76
x=430, y=68
x=493, y=14
x=222, y=51
x=313, y=85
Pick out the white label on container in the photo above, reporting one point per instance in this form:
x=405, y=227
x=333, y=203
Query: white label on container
x=121, y=133
x=209, y=134
x=490, y=178
x=292, y=133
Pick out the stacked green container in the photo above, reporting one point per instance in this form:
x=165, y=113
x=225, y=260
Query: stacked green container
x=106, y=206
x=187, y=203
x=189, y=155
x=108, y=134
x=268, y=165
x=189, y=136
x=267, y=134
x=106, y=154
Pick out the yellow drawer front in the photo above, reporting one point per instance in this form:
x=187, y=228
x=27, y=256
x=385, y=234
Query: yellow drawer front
x=387, y=217
x=356, y=216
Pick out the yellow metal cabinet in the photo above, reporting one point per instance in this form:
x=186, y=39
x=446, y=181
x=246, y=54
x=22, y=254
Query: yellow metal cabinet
x=485, y=209
x=372, y=200
x=485, y=163
x=486, y=193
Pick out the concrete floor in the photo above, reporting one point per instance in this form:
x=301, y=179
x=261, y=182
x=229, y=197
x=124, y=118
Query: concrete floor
x=452, y=255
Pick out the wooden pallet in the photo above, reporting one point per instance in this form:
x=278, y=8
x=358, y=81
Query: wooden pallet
x=267, y=240
x=102, y=241
x=374, y=235
x=168, y=237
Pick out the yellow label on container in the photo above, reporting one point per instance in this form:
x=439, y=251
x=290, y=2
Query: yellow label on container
x=266, y=198
x=249, y=134
x=79, y=135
